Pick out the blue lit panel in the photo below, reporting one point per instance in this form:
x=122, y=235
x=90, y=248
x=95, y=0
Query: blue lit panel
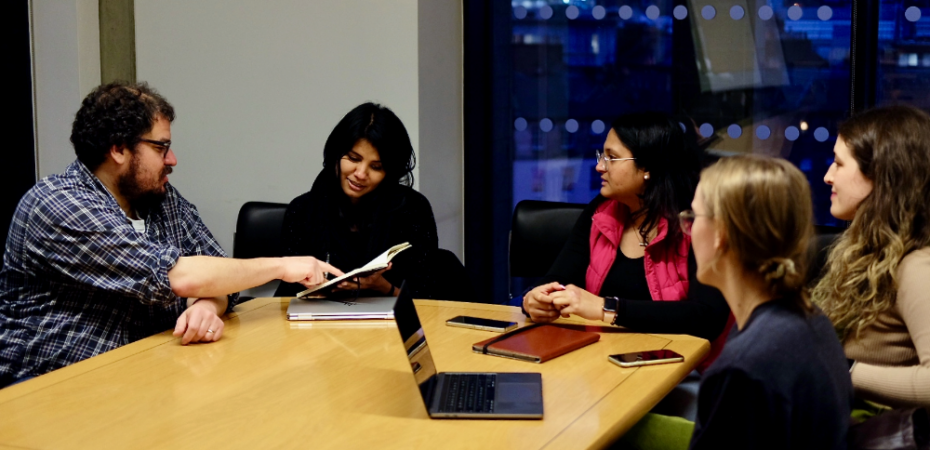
x=904, y=53
x=746, y=76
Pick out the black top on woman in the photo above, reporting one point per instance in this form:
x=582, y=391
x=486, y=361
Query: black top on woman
x=361, y=204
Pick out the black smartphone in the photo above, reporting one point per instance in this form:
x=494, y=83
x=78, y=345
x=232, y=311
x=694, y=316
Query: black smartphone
x=479, y=323
x=646, y=358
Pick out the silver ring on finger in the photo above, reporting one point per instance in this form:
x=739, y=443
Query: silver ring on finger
x=209, y=331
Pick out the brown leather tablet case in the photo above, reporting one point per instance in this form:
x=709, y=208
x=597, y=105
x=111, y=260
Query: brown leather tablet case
x=536, y=343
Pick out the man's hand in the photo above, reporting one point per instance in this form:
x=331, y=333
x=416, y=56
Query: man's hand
x=375, y=282
x=575, y=300
x=306, y=270
x=202, y=276
x=201, y=321
x=538, y=302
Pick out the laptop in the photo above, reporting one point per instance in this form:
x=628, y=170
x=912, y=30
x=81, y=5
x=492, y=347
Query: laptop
x=464, y=395
x=346, y=309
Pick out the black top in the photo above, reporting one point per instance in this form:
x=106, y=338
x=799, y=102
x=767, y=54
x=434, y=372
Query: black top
x=703, y=314
x=323, y=223
x=782, y=382
x=628, y=278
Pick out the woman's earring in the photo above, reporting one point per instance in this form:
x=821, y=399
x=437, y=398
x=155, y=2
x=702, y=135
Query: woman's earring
x=646, y=177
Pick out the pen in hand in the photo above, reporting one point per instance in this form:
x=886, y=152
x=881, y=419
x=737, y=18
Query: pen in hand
x=326, y=274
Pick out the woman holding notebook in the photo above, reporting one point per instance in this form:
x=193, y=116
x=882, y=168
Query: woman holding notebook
x=361, y=204
x=627, y=261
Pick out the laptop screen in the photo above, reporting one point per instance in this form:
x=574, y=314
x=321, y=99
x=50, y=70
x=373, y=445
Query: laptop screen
x=411, y=332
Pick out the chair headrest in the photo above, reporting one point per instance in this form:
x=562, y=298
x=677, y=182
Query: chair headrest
x=258, y=230
x=538, y=232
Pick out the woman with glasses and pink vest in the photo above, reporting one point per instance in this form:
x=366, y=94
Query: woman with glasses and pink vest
x=628, y=262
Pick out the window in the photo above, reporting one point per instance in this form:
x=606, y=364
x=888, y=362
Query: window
x=903, y=59
x=544, y=79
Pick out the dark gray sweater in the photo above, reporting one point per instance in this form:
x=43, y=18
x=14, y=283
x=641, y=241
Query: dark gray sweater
x=782, y=382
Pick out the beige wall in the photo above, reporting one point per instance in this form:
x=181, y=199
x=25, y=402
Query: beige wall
x=66, y=64
x=258, y=86
x=442, y=162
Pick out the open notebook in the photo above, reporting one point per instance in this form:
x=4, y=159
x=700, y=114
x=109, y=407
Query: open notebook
x=380, y=262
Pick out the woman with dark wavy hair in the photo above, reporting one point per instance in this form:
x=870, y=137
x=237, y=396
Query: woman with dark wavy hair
x=361, y=204
x=877, y=279
x=627, y=261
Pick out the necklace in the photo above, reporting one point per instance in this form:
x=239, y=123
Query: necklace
x=635, y=229
x=644, y=240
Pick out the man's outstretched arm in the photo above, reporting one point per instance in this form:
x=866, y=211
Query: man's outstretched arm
x=211, y=276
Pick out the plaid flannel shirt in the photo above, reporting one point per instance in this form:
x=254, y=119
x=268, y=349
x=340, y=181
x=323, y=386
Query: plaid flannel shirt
x=79, y=280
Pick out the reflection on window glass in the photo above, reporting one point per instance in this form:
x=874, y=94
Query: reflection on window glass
x=904, y=53
x=742, y=76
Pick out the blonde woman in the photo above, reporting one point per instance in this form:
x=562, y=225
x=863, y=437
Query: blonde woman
x=876, y=285
x=781, y=380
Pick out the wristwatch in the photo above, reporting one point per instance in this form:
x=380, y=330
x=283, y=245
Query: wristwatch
x=611, y=304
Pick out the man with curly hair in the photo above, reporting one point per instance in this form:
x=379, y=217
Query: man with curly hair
x=108, y=252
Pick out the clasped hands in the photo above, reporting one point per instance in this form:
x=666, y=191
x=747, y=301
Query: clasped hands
x=547, y=302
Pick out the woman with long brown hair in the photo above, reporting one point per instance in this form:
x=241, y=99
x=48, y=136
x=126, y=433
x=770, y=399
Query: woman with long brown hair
x=876, y=285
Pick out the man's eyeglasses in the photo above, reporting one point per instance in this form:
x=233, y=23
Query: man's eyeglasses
x=166, y=145
x=686, y=220
x=601, y=156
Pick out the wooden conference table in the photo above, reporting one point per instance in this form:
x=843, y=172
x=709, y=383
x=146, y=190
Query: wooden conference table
x=270, y=383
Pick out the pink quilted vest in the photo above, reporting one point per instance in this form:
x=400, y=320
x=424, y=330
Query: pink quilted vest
x=666, y=263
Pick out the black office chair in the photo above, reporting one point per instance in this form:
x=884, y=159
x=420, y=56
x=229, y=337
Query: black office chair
x=538, y=232
x=258, y=230
x=258, y=234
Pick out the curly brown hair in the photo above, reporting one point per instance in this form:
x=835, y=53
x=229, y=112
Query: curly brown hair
x=892, y=147
x=117, y=113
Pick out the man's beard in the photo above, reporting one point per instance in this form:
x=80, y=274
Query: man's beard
x=142, y=199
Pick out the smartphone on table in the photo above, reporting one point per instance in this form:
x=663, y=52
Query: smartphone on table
x=647, y=358
x=479, y=323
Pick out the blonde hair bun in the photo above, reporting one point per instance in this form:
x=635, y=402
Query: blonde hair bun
x=764, y=207
x=778, y=269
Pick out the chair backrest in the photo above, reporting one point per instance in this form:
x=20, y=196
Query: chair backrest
x=258, y=230
x=538, y=233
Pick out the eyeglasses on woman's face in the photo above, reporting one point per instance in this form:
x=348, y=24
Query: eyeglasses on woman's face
x=601, y=156
x=686, y=220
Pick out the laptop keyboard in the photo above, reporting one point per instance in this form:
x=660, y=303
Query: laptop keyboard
x=468, y=393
